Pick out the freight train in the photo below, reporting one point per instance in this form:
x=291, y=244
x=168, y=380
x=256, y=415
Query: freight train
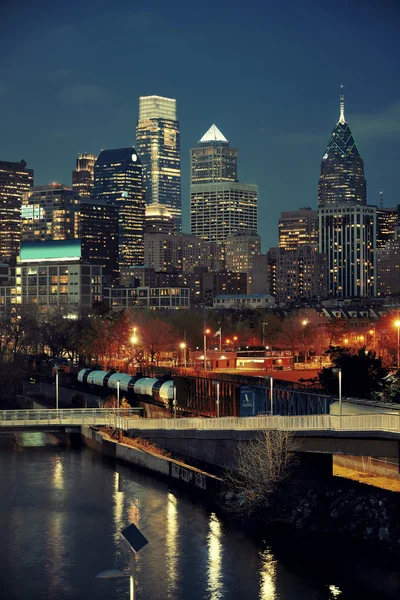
x=158, y=390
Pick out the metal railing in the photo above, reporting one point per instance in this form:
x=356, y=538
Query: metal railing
x=377, y=422
x=127, y=419
x=79, y=416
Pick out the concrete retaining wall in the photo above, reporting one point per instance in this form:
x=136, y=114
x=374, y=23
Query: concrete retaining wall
x=166, y=467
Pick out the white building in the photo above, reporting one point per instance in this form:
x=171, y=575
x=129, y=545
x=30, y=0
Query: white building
x=244, y=301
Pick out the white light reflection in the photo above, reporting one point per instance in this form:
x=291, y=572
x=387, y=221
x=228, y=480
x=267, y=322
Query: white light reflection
x=118, y=498
x=172, y=542
x=58, y=474
x=214, y=558
x=267, y=576
x=334, y=591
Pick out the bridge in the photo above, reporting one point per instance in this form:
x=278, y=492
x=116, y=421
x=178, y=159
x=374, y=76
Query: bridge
x=44, y=418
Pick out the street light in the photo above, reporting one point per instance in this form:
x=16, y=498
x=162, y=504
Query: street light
x=56, y=388
x=205, y=348
x=263, y=336
x=397, y=324
x=133, y=341
x=182, y=345
x=271, y=393
x=339, y=372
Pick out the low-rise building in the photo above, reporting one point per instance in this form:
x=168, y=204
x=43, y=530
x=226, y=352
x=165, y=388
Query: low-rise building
x=244, y=301
x=121, y=298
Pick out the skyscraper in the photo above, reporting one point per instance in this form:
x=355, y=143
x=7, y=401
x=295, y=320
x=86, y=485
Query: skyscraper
x=158, y=146
x=50, y=212
x=347, y=228
x=220, y=206
x=15, y=181
x=118, y=181
x=342, y=168
x=83, y=175
x=297, y=228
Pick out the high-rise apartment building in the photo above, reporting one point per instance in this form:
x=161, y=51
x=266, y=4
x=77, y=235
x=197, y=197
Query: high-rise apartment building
x=342, y=168
x=118, y=181
x=83, y=175
x=220, y=206
x=158, y=146
x=301, y=273
x=347, y=227
x=240, y=250
x=297, y=228
x=50, y=212
x=15, y=181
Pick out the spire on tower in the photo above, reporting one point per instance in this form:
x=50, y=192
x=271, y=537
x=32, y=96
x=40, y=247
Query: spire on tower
x=341, y=118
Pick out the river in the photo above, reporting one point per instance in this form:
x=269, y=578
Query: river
x=61, y=511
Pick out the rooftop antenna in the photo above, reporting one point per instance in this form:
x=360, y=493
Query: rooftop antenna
x=381, y=195
x=341, y=118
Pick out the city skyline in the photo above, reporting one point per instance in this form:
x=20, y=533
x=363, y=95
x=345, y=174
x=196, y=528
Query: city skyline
x=275, y=99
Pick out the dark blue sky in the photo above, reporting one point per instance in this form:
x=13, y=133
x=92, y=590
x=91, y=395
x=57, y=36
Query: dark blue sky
x=267, y=73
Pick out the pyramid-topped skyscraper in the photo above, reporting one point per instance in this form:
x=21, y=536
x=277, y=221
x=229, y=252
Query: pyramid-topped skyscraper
x=342, y=167
x=220, y=206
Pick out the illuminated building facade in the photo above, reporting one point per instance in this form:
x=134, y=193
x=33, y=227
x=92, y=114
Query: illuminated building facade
x=158, y=220
x=347, y=235
x=167, y=298
x=50, y=212
x=342, y=168
x=387, y=220
x=118, y=182
x=180, y=253
x=220, y=206
x=15, y=181
x=301, y=273
x=83, y=175
x=298, y=227
x=388, y=267
x=158, y=146
x=53, y=274
x=240, y=250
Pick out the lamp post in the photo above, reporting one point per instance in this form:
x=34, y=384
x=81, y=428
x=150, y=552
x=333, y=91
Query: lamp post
x=397, y=324
x=118, y=393
x=182, y=345
x=57, y=389
x=205, y=348
x=263, y=334
x=339, y=372
x=133, y=341
x=217, y=386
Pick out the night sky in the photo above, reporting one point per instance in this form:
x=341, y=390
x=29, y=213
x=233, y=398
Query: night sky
x=266, y=73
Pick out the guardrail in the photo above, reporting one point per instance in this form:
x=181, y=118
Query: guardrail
x=127, y=419
x=79, y=416
x=380, y=422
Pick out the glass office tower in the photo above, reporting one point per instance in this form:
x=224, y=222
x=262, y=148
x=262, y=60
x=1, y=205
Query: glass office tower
x=158, y=146
x=83, y=175
x=118, y=181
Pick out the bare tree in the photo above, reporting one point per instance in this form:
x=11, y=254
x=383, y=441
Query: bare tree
x=262, y=465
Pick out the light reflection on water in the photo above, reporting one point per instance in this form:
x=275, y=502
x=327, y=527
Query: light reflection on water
x=61, y=514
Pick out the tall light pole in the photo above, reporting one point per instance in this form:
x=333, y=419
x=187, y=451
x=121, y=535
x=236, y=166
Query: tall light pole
x=118, y=393
x=182, y=345
x=397, y=324
x=339, y=372
x=205, y=348
x=57, y=389
x=133, y=341
x=217, y=385
x=263, y=334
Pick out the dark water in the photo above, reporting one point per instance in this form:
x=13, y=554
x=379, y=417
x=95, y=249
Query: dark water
x=61, y=511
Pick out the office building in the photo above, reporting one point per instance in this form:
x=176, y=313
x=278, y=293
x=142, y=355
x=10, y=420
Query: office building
x=301, y=273
x=242, y=301
x=53, y=275
x=347, y=235
x=220, y=206
x=158, y=146
x=50, y=212
x=240, y=251
x=181, y=253
x=98, y=232
x=342, y=168
x=387, y=220
x=158, y=219
x=118, y=181
x=83, y=175
x=388, y=267
x=15, y=181
x=297, y=228
x=164, y=298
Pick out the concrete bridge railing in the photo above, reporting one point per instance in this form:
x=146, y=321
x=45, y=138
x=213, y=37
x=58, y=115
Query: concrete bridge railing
x=83, y=416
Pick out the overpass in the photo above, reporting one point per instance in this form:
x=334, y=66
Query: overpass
x=44, y=418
